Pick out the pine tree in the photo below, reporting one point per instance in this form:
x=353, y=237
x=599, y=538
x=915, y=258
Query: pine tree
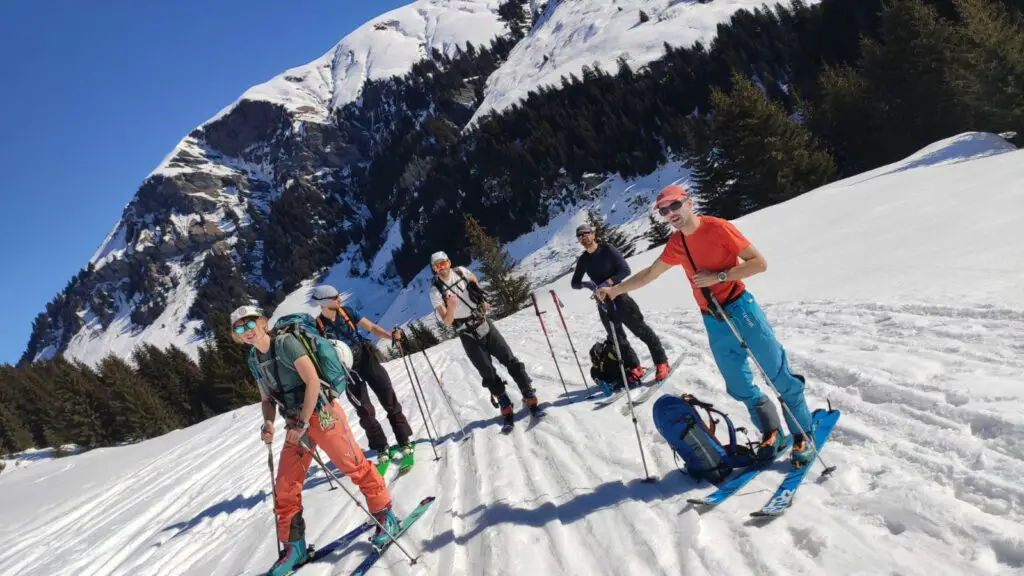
x=190, y=377
x=911, y=72
x=611, y=235
x=86, y=413
x=152, y=366
x=659, y=232
x=506, y=291
x=758, y=155
x=516, y=16
x=849, y=119
x=420, y=337
x=14, y=435
x=994, y=71
x=138, y=412
x=226, y=380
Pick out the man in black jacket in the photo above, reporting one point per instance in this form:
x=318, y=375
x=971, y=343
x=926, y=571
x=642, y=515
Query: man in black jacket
x=606, y=267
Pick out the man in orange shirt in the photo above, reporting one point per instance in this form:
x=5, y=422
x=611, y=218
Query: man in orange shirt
x=716, y=258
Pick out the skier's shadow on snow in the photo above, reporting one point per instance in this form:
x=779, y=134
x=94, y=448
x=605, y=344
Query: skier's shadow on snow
x=607, y=495
x=224, y=507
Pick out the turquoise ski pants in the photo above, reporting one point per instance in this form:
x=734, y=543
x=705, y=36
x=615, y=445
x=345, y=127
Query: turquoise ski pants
x=732, y=362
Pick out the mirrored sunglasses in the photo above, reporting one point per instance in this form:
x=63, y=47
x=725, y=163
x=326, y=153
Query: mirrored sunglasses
x=242, y=328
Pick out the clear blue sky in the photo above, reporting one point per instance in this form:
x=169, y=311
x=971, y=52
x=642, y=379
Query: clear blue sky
x=93, y=95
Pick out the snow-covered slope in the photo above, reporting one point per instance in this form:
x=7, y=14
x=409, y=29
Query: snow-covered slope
x=896, y=294
x=572, y=34
x=385, y=46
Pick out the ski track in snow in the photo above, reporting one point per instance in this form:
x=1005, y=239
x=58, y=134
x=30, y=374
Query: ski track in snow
x=929, y=450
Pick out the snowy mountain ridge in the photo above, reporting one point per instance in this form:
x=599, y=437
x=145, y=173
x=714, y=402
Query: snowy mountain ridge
x=212, y=196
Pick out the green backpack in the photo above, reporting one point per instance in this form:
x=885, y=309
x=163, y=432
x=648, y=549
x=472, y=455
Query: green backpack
x=333, y=374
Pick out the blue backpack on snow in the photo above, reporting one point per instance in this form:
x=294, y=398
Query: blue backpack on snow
x=678, y=420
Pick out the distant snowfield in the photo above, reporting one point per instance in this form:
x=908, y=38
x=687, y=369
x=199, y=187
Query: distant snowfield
x=897, y=295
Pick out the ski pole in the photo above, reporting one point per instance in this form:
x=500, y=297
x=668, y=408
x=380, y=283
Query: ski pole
x=550, y=347
x=629, y=397
x=273, y=492
x=423, y=413
x=743, y=343
x=319, y=461
x=559, y=306
x=330, y=482
x=444, y=393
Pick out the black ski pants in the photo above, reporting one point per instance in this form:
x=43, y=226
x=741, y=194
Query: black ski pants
x=368, y=374
x=482, y=352
x=624, y=311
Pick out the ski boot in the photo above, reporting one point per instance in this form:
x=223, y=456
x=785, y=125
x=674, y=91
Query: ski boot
x=507, y=416
x=390, y=522
x=803, y=452
x=295, y=554
x=384, y=457
x=533, y=404
x=773, y=444
x=407, y=452
x=634, y=376
x=661, y=371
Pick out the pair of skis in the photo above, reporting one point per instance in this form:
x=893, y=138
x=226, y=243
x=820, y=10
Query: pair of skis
x=319, y=554
x=824, y=422
x=647, y=388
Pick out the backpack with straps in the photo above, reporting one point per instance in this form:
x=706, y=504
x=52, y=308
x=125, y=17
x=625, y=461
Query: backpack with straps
x=678, y=419
x=333, y=374
x=604, y=367
x=477, y=297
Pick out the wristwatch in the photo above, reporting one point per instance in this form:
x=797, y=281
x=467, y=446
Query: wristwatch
x=296, y=425
x=722, y=276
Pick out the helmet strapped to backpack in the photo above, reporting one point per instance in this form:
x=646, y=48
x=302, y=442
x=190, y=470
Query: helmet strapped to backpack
x=678, y=419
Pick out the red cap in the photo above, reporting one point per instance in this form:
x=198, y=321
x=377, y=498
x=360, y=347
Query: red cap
x=670, y=194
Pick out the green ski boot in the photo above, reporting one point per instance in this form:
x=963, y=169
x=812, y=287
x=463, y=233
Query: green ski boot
x=408, y=452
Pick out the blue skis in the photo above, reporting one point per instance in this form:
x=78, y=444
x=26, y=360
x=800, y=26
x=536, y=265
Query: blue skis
x=824, y=422
x=403, y=526
x=733, y=484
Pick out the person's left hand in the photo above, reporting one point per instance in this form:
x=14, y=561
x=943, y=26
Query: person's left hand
x=293, y=436
x=703, y=279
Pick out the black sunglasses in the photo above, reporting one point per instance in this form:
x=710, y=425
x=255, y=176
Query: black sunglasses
x=670, y=208
x=582, y=234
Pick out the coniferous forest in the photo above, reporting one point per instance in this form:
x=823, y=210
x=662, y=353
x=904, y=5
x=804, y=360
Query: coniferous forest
x=783, y=100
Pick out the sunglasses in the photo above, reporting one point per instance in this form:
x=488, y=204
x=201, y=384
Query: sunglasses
x=676, y=205
x=441, y=265
x=582, y=234
x=242, y=328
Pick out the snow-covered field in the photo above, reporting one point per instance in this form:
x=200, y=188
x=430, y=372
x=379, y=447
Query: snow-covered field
x=896, y=294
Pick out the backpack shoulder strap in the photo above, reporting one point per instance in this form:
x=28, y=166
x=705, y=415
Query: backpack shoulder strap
x=320, y=326
x=348, y=319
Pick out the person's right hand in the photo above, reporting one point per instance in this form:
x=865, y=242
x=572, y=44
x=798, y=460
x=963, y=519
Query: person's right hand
x=606, y=292
x=450, y=299
x=267, y=432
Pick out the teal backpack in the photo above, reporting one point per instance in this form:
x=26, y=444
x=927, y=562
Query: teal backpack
x=333, y=374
